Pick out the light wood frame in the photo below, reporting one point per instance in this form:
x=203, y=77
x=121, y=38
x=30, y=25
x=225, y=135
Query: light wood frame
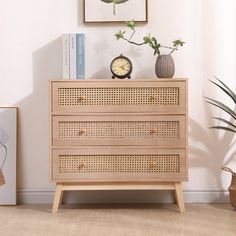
x=10, y=165
x=90, y=21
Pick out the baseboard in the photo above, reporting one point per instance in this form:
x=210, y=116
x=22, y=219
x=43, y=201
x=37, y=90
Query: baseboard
x=27, y=196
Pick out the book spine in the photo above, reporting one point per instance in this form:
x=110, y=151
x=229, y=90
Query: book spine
x=66, y=56
x=80, y=56
x=72, y=56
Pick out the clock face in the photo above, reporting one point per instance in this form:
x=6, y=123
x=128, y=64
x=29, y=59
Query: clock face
x=121, y=67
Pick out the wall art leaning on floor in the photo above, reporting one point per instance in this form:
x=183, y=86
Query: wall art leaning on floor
x=8, y=155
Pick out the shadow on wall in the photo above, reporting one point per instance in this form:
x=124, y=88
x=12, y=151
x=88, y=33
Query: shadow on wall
x=208, y=149
x=33, y=118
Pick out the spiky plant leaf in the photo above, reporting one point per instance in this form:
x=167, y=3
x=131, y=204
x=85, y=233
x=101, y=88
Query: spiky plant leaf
x=223, y=128
x=225, y=121
x=226, y=89
x=120, y=35
x=231, y=126
x=221, y=106
x=131, y=24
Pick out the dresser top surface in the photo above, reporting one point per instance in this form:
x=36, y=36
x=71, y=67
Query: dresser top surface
x=120, y=80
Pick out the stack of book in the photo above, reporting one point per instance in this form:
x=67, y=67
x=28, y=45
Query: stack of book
x=73, y=56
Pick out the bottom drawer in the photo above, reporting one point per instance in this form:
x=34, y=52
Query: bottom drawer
x=118, y=164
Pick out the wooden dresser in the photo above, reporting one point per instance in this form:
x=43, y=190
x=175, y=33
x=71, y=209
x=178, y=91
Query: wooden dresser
x=118, y=135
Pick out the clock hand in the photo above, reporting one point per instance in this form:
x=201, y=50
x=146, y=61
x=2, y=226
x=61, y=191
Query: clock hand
x=124, y=65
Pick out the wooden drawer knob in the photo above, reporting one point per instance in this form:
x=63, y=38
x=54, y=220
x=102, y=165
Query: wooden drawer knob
x=81, y=98
x=82, y=131
x=153, y=98
x=81, y=166
x=153, y=131
x=153, y=164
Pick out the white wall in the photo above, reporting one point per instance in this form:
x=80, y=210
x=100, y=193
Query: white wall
x=30, y=55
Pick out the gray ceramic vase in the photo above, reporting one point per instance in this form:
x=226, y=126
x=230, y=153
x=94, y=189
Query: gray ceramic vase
x=165, y=67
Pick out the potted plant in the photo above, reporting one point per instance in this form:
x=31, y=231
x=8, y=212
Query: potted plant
x=228, y=126
x=164, y=67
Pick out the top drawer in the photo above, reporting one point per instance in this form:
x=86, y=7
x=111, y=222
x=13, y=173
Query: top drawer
x=163, y=96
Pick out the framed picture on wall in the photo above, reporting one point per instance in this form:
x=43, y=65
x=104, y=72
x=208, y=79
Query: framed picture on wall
x=108, y=11
x=8, y=155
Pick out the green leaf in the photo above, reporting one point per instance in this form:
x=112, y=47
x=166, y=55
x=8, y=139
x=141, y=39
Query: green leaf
x=177, y=43
x=120, y=35
x=226, y=89
x=221, y=106
x=157, y=51
x=130, y=24
x=154, y=40
x=146, y=39
x=150, y=44
x=223, y=128
x=225, y=121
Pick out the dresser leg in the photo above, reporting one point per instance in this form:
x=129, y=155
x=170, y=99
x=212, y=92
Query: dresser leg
x=179, y=196
x=57, y=198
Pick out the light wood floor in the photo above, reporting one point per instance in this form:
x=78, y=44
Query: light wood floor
x=122, y=220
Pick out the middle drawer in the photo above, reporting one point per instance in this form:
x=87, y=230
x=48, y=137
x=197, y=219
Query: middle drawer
x=119, y=130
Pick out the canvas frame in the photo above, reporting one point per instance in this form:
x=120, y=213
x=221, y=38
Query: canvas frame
x=90, y=15
x=8, y=137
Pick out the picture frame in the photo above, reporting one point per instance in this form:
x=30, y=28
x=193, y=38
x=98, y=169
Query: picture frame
x=8, y=155
x=106, y=11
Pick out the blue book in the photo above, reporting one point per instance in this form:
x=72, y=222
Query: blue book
x=80, y=56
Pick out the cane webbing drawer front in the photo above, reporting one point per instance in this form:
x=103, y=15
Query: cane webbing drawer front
x=119, y=130
x=111, y=164
x=117, y=96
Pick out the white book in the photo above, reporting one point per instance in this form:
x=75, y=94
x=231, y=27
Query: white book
x=66, y=56
x=72, y=56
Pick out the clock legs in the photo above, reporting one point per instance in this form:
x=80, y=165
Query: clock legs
x=128, y=76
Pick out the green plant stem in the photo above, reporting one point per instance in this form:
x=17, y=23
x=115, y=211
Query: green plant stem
x=132, y=34
x=140, y=44
x=132, y=42
x=173, y=49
